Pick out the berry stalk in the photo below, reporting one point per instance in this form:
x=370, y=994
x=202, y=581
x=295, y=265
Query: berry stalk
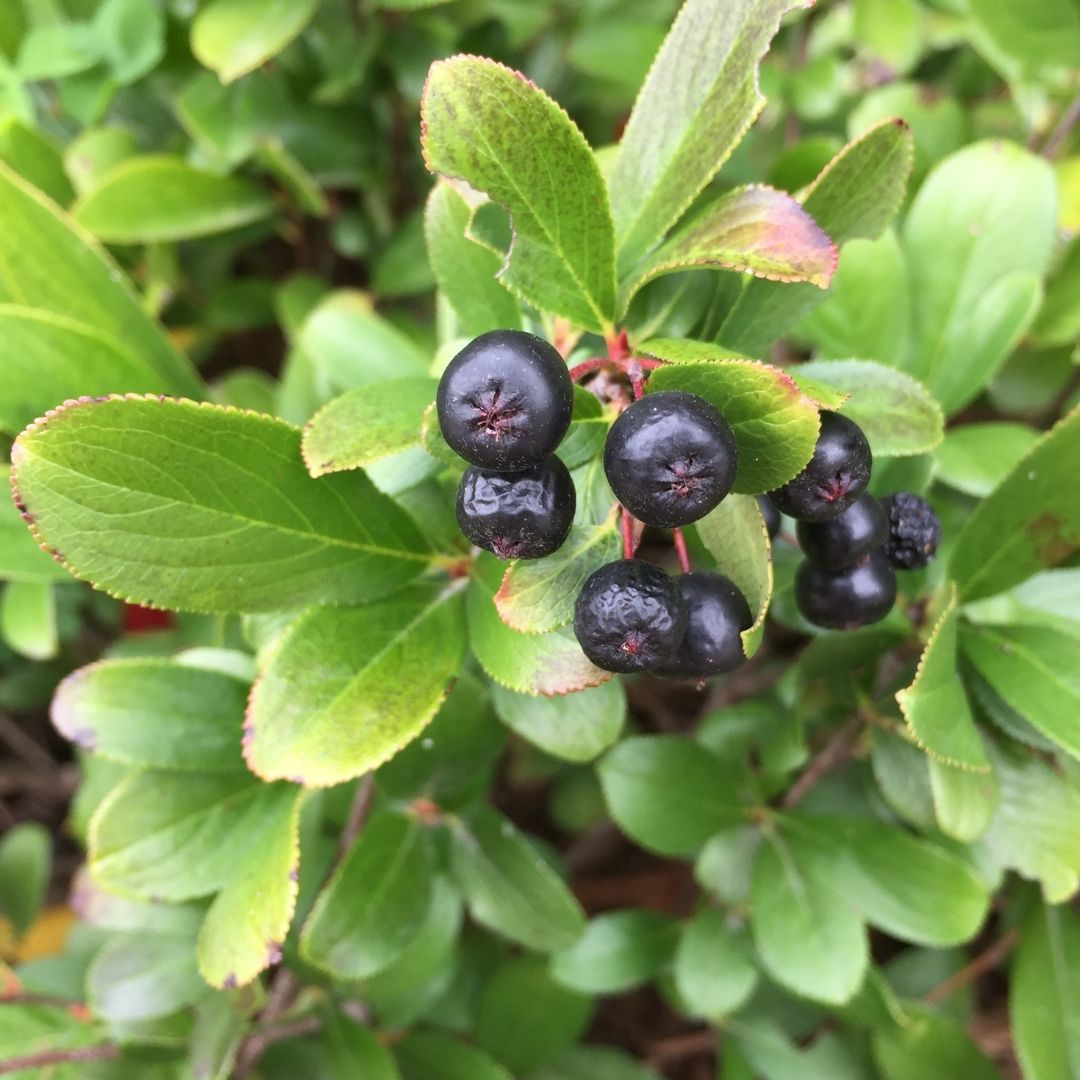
x=681, y=550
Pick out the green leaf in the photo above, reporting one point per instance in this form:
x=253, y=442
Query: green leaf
x=1033, y=669
x=149, y=199
x=1059, y=317
x=1051, y=598
x=374, y=903
x=90, y=155
x=524, y=1017
x=929, y=1045
x=808, y=937
x=714, y=973
x=354, y=346
x=667, y=794
x=1036, y=827
x=25, y=866
x=595, y=1063
x=975, y=458
x=964, y=802
x=618, y=951
x=1044, y=992
x=935, y=705
x=775, y=424
x=537, y=595
x=143, y=977
x=366, y=425
x=896, y=412
x=736, y=537
x=423, y=1055
x=1046, y=33
x=757, y=230
x=354, y=1049
x=47, y=261
x=28, y=619
x=978, y=236
x=51, y=358
x=20, y=557
x=562, y=258
x=855, y=196
x=36, y=158
x=131, y=37
x=253, y=533
x=233, y=37
x=697, y=102
x=345, y=688
x=175, y=836
x=465, y=270
x=574, y=727
x=35, y=1029
x=509, y=887
x=550, y=663
x=244, y=930
x=1029, y=522
x=154, y=712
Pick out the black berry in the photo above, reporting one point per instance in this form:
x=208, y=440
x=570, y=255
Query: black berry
x=670, y=458
x=517, y=515
x=846, y=599
x=770, y=514
x=505, y=401
x=629, y=616
x=716, y=613
x=835, y=476
x=846, y=538
x=914, y=531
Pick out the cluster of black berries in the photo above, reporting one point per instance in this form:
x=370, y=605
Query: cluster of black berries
x=504, y=405
x=852, y=542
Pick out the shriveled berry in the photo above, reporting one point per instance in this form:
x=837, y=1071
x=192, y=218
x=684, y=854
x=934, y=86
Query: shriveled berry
x=670, y=458
x=716, y=614
x=770, y=514
x=835, y=476
x=914, y=531
x=849, y=598
x=517, y=515
x=505, y=401
x=843, y=540
x=629, y=616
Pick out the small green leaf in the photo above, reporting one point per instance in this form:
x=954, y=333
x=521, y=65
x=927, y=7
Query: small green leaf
x=253, y=533
x=37, y=1029
x=975, y=458
x=1044, y=990
x=423, y=1055
x=549, y=663
x=595, y=1063
x=756, y=230
x=465, y=270
x=667, y=794
x=347, y=687
x=154, y=712
x=244, y=930
x=929, y=1045
x=896, y=412
x=131, y=36
x=775, y=424
x=736, y=537
x=698, y=100
x=935, y=705
x=154, y=198
x=537, y=595
x=617, y=952
x=354, y=1049
x=1045, y=33
x=36, y=158
x=562, y=259
x=1029, y=522
x=808, y=937
x=714, y=973
x=25, y=866
x=28, y=619
x=233, y=37
x=144, y=977
x=509, y=887
x=964, y=802
x=366, y=425
x=374, y=903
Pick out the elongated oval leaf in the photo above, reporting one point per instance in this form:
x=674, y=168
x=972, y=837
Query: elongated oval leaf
x=975, y=458
x=234, y=37
x=153, y=712
x=48, y=261
x=143, y=977
x=714, y=972
x=490, y=126
x=348, y=687
x=203, y=508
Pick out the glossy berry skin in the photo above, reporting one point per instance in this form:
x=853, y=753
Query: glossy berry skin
x=518, y=515
x=716, y=613
x=505, y=401
x=843, y=540
x=770, y=514
x=914, y=531
x=630, y=616
x=670, y=458
x=846, y=599
x=835, y=476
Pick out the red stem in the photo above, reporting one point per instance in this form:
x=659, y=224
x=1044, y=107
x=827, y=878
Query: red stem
x=681, y=550
x=637, y=383
x=626, y=521
x=594, y=363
